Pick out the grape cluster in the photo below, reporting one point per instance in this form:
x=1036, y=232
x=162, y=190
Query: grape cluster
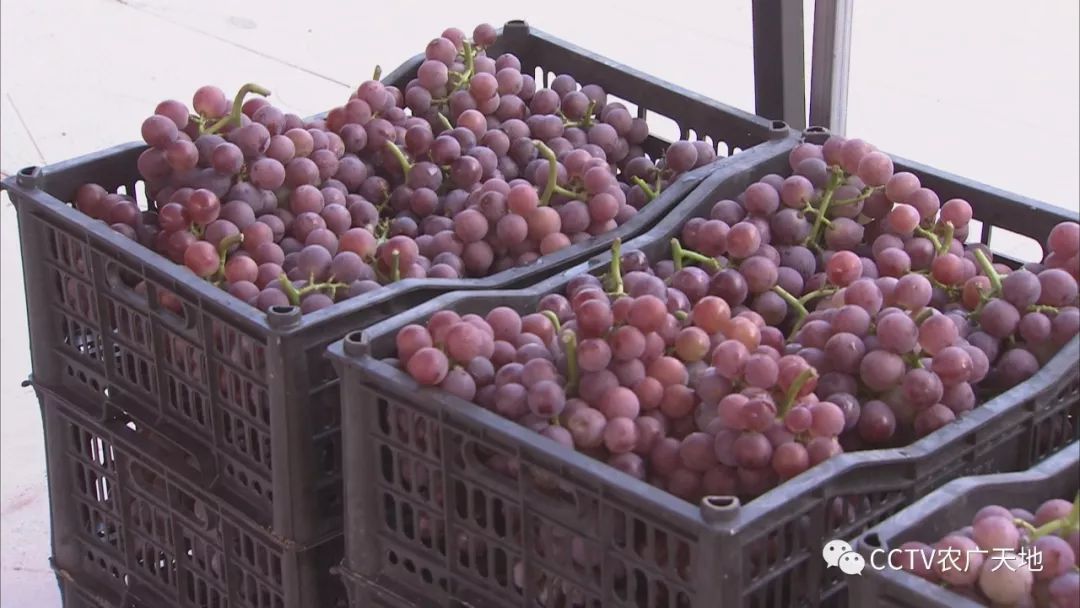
x=832, y=310
x=1007, y=557
x=470, y=170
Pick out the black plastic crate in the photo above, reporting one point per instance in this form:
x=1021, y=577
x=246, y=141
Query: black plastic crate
x=128, y=531
x=249, y=395
x=950, y=508
x=763, y=554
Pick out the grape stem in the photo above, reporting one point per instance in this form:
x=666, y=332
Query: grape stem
x=238, y=107
x=1062, y=526
x=553, y=171
x=793, y=391
x=377, y=74
x=865, y=194
x=681, y=315
x=989, y=270
x=290, y=290
x=923, y=315
x=650, y=194
x=795, y=303
x=470, y=60
x=933, y=238
x=223, y=250
x=586, y=120
x=680, y=255
x=569, y=340
x=568, y=193
x=554, y=320
x=395, y=271
x=313, y=287
x=445, y=122
x=406, y=166
x=836, y=177
x=615, y=272
x=1043, y=308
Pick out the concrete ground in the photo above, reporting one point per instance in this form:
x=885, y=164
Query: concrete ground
x=986, y=89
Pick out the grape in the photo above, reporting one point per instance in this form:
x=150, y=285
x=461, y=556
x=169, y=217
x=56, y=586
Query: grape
x=1005, y=581
x=752, y=450
x=202, y=259
x=999, y=318
x=1058, y=288
x=882, y=370
x=428, y=366
x=620, y=435
x=997, y=532
x=1058, y=557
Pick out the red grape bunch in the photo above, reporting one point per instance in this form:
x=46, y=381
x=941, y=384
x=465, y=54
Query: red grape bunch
x=802, y=319
x=471, y=169
x=1007, y=557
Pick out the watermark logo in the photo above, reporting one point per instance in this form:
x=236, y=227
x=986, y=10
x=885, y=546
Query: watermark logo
x=839, y=554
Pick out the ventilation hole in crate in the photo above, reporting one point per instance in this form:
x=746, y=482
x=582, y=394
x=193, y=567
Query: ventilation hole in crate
x=136, y=369
x=99, y=526
x=125, y=282
x=65, y=250
x=244, y=397
x=131, y=326
x=141, y=193
x=186, y=358
x=239, y=349
x=662, y=127
x=155, y=562
x=103, y=563
x=240, y=478
x=974, y=228
x=81, y=338
x=187, y=403
x=150, y=520
x=75, y=296
x=1019, y=246
x=386, y=460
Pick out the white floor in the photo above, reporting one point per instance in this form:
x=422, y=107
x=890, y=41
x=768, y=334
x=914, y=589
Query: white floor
x=986, y=89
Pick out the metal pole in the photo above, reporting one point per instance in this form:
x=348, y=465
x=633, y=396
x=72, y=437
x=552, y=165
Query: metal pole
x=779, y=62
x=830, y=64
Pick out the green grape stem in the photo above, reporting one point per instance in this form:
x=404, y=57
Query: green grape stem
x=989, y=270
x=836, y=178
x=444, y=121
x=223, y=250
x=865, y=194
x=650, y=194
x=377, y=74
x=569, y=340
x=933, y=238
x=553, y=318
x=793, y=391
x=553, y=172
x=923, y=315
x=680, y=255
x=290, y=290
x=395, y=271
x=615, y=272
x=238, y=107
x=792, y=301
x=406, y=166
x=586, y=120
